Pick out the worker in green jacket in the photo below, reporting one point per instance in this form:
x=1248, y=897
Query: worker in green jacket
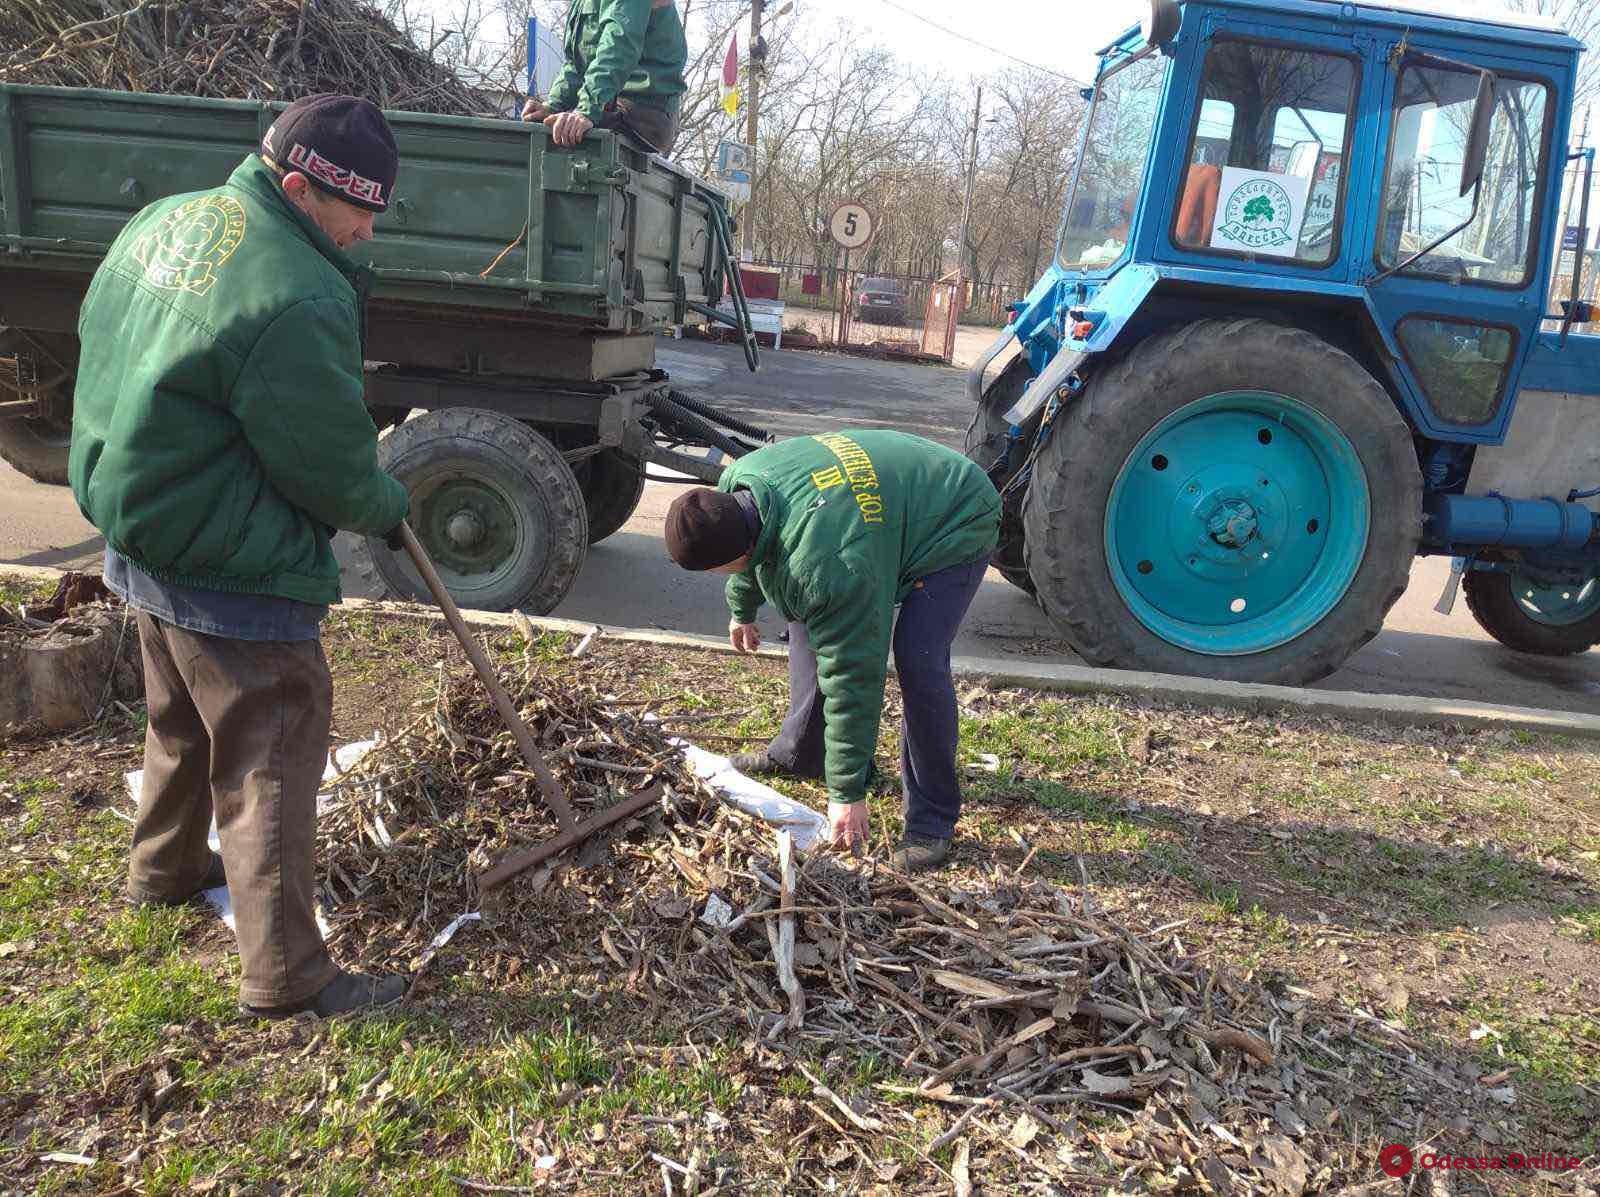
x=624, y=69
x=219, y=437
x=834, y=531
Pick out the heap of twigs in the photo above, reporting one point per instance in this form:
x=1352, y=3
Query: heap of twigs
x=996, y=992
x=240, y=49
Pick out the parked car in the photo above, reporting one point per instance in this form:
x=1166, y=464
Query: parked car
x=881, y=301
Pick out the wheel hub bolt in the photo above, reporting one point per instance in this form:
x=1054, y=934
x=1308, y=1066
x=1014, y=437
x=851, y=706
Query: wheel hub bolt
x=1232, y=524
x=465, y=529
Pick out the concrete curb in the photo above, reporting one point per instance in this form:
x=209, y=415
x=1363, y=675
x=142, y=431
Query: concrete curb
x=1400, y=709
x=1254, y=698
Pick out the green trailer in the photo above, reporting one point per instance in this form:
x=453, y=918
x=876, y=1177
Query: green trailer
x=510, y=331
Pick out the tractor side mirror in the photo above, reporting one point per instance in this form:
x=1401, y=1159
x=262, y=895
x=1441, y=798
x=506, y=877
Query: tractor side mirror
x=1160, y=23
x=1477, y=150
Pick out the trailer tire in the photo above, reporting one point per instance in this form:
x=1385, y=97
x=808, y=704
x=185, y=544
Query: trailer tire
x=612, y=485
x=39, y=447
x=494, y=503
x=985, y=443
x=1496, y=600
x=1157, y=465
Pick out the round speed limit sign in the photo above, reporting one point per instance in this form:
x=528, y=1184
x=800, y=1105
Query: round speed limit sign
x=850, y=225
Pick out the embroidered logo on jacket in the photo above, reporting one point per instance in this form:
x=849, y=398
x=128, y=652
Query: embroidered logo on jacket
x=192, y=242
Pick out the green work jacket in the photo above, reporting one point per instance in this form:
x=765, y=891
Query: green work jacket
x=849, y=522
x=621, y=49
x=218, y=429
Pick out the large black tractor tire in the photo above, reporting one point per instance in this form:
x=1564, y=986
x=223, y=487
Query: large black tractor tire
x=986, y=442
x=1495, y=600
x=612, y=485
x=1067, y=506
x=493, y=502
x=39, y=447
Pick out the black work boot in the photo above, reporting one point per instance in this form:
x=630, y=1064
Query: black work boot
x=215, y=876
x=759, y=764
x=918, y=853
x=347, y=993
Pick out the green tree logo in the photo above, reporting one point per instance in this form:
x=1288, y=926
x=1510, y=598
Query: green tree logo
x=1259, y=209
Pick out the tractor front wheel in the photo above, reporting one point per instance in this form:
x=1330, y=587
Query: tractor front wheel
x=1527, y=613
x=1232, y=499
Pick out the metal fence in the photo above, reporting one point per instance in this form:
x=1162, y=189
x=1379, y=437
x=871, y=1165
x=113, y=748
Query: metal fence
x=891, y=313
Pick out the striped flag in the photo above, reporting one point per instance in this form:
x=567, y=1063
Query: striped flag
x=730, y=78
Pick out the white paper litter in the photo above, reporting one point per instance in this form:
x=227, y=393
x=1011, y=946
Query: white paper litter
x=752, y=797
x=717, y=913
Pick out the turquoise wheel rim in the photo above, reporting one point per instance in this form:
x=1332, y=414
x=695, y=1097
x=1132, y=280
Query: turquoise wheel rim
x=1237, y=523
x=1555, y=604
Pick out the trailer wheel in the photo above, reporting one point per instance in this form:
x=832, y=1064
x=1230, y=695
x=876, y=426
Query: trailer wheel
x=495, y=505
x=39, y=447
x=1232, y=499
x=985, y=443
x=1529, y=615
x=612, y=484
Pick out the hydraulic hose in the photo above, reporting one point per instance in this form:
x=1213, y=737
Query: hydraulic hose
x=701, y=408
x=688, y=422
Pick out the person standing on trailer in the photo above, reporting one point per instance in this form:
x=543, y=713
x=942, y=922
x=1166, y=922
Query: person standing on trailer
x=834, y=531
x=624, y=70
x=219, y=437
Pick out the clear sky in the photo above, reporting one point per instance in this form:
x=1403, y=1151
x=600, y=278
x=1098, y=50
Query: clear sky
x=1061, y=35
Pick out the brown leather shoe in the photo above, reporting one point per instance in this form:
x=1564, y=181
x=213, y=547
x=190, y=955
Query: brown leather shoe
x=215, y=876
x=347, y=993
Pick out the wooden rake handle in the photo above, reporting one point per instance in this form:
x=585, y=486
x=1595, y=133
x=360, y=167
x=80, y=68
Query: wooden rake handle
x=549, y=788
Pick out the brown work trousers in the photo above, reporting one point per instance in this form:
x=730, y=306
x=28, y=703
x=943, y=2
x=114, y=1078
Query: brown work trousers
x=239, y=729
x=654, y=125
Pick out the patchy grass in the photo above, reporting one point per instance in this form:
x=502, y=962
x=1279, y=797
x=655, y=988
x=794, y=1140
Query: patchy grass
x=1459, y=871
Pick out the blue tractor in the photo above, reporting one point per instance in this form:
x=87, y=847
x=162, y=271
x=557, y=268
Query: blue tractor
x=1296, y=333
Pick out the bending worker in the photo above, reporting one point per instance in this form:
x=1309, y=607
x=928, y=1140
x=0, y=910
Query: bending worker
x=835, y=530
x=624, y=69
x=218, y=438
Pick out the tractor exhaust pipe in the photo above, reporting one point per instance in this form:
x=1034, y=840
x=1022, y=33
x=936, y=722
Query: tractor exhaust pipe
x=1483, y=521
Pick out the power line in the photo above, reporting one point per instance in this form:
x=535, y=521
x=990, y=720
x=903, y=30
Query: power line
x=961, y=37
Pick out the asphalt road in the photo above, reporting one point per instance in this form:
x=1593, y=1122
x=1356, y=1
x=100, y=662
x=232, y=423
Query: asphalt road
x=628, y=581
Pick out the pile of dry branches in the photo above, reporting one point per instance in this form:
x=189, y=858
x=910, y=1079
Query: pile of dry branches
x=990, y=993
x=254, y=49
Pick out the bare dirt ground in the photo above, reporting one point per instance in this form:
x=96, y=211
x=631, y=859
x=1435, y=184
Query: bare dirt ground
x=1427, y=901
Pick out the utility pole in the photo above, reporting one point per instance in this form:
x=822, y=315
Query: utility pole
x=966, y=207
x=752, y=124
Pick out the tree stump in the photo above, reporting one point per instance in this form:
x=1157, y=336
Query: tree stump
x=59, y=675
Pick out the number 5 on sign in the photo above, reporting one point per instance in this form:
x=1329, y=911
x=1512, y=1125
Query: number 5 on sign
x=851, y=225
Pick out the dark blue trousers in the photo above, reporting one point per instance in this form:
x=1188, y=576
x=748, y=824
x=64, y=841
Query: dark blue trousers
x=929, y=618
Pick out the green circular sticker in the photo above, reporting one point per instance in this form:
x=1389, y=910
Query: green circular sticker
x=1258, y=214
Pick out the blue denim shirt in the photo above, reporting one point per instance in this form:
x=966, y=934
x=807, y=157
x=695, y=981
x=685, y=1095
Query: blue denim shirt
x=211, y=612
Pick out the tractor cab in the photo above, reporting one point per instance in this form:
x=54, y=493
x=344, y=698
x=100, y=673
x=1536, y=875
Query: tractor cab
x=1368, y=191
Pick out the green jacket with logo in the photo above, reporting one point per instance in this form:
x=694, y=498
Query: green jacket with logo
x=218, y=428
x=621, y=48
x=849, y=522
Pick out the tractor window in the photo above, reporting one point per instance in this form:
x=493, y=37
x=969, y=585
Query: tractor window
x=1462, y=366
x=1111, y=170
x=1267, y=154
x=1422, y=197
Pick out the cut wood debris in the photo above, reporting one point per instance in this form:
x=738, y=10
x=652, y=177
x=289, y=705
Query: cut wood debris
x=254, y=50
x=1006, y=997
